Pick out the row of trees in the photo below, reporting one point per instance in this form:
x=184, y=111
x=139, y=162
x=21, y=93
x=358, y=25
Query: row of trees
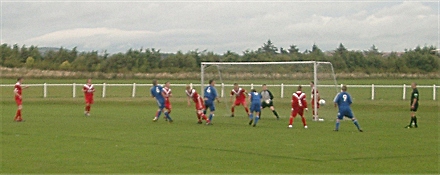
x=418, y=60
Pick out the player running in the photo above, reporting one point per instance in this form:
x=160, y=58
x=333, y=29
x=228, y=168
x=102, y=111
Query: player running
x=318, y=97
x=210, y=95
x=240, y=98
x=200, y=107
x=299, y=103
x=343, y=102
x=88, y=90
x=267, y=98
x=18, y=98
x=157, y=93
x=255, y=100
x=166, y=92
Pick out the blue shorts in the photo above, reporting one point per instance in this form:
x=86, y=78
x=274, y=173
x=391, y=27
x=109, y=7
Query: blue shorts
x=210, y=105
x=255, y=107
x=345, y=113
x=160, y=104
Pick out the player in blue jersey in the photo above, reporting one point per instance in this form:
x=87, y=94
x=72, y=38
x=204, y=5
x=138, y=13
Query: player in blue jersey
x=210, y=95
x=158, y=93
x=343, y=102
x=255, y=101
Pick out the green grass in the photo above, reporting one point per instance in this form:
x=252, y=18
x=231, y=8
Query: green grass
x=120, y=136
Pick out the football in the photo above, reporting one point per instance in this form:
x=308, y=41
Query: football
x=322, y=102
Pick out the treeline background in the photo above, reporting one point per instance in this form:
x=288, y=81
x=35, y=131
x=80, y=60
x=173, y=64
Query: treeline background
x=421, y=60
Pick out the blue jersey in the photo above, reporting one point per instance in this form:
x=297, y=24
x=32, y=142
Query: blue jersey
x=210, y=93
x=255, y=97
x=156, y=91
x=343, y=100
x=255, y=101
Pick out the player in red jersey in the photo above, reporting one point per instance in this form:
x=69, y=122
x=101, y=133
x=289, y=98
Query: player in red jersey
x=200, y=106
x=18, y=98
x=240, y=99
x=318, y=97
x=166, y=92
x=299, y=103
x=88, y=90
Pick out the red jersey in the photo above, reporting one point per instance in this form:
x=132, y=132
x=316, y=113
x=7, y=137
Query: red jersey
x=167, y=93
x=313, y=93
x=196, y=98
x=299, y=100
x=194, y=95
x=18, y=90
x=239, y=94
x=88, y=90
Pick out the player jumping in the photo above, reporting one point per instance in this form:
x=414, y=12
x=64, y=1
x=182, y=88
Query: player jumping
x=240, y=99
x=200, y=107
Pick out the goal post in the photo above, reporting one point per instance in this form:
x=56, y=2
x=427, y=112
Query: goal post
x=287, y=70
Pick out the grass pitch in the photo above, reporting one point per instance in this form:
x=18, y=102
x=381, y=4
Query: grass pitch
x=120, y=137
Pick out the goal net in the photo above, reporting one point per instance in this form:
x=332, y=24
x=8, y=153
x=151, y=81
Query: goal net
x=281, y=78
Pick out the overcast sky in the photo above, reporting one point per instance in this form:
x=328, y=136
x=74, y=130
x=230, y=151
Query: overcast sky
x=219, y=26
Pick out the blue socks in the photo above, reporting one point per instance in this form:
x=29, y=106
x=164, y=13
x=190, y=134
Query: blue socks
x=210, y=117
x=337, y=125
x=158, y=114
x=357, y=124
x=167, y=115
x=251, y=116
x=256, y=119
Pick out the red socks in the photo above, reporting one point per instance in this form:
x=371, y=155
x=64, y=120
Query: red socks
x=303, y=120
x=18, y=115
x=88, y=109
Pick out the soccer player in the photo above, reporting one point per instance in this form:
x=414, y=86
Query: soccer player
x=166, y=92
x=343, y=102
x=210, y=95
x=255, y=100
x=318, y=97
x=414, y=105
x=267, y=98
x=88, y=90
x=299, y=103
x=200, y=107
x=240, y=98
x=157, y=93
x=18, y=98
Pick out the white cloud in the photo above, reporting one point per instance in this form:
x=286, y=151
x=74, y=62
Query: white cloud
x=220, y=26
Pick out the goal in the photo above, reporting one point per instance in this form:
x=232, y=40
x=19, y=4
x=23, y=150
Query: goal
x=281, y=78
